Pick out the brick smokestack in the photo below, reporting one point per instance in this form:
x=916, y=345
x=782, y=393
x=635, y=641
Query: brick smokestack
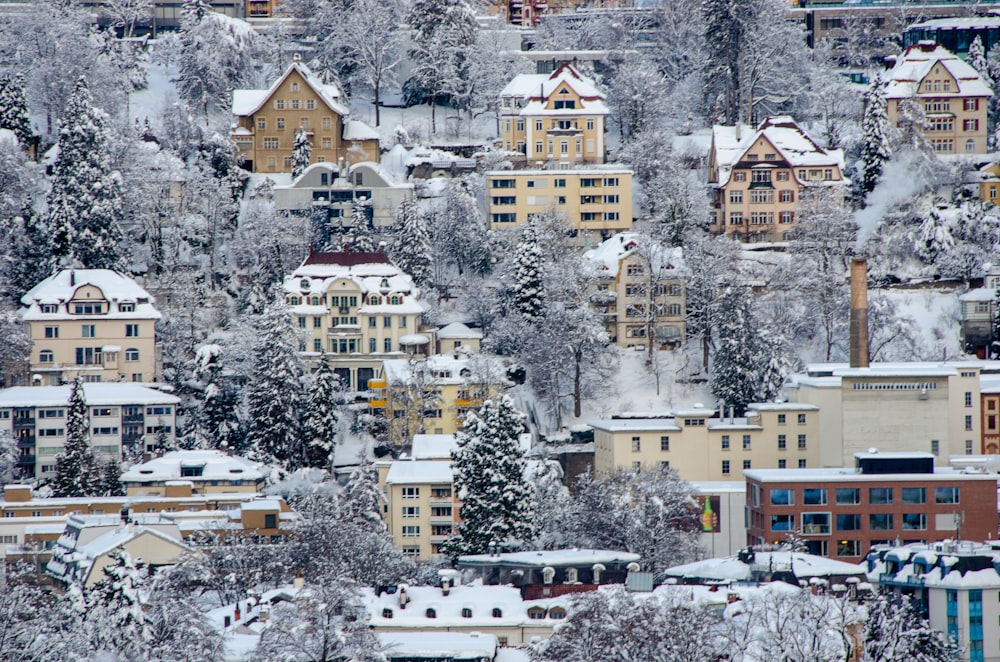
x=859, y=313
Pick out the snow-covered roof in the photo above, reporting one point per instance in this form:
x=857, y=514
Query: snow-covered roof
x=979, y=294
x=731, y=568
x=953, y=564
x=439, y=645
x=403, y=472
x=95, y=393
x=535, y=89
x=559, y=558
x=458, y=331
x=918, y=60
x=215, y=465
x=433, y=446
x=608, y=255
x=636, y=425
x=782, y=406
x=248, y=102
x=59, y=289
x=849, y=474
x=447, y=369
x=358, y=130
x=372, y=272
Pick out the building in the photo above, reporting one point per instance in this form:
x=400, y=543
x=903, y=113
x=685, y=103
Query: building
x=956, y=34
x=421, y=508
x=552, y=573
x=359, y=309
x=166, y=14
x=183, y=473
x=842, y=513
x=91, y=323
x=950, y=92
x=954, y=584
x=640, y=292
x=265, y=123
x=457, y=336
x=438, y=646
x=329, y=194
x=722, y=505
x=596, y=202
x=756, y=566
x=124, y=418
x=987, y=180
x=759, y=178
x=978, y=311
x=703, y=446
x=555, y=120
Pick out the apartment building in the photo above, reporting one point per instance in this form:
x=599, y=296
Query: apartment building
x=357, y=309
x=758, y=178
x=950, y=92
x=597, y=202
x=841, y=513
x=421, y=508
x=703, y=446
x=92, y=323
x=183, y=473
x=265, y=123
x=639, y=291
x=123, y=417
x=555, y=120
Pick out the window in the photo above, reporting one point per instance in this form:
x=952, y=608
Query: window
x=816, y=523
x=880, y=495
x=411, y=531
x=802, y=464
x=131, y=330
x=914, y=521
x=814, y=496
x=46, y=356
x=782, y=497
x=387, y=322
x=914, y=495
x=782, y=442
x=802, y=419
x=411, y=492
x=787, y=196
x=760, y=176
x=497, y=612
x=725, y=467
x=735, y=197
x=270, y=143
x=746, y=442
x=970, y=125
x=746, y=464
x=968, y=422
x=802, y=442
x=52, y=332
x=782, y=464
x=310, y=104
x=88, y=309
x=664, y=443
x=850, y=522
x=935, y=446
x=538, y=125
x=387, y=344
x=739, y=176
x=725, y=442
x=295, y=104
x=326, y=123
x=946, y=495
x=782, y=176
x=880, y=522
x=466, y=612
x=782, y=522
x=302, y=322
x=971, y=104
x=636, y=445
x=89, y=331
x=131, y=354
x=411, y=512
x=849, y=548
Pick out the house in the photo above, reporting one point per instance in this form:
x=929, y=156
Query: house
x=183, y=473
x=987, y=180
x=596, y=202
x=759, y=176
x=421, y=508
x=456, y=336
x=639, y=292
x=554, y=119
x=754, y=565
x=552, y=573
x=842, y=513
x=951, y=93
x=358, y=309
x=124, y=418
x=92, y=323
x=702, y=444
x=265, y=123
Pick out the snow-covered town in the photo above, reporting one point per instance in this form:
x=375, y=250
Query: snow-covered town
x=500, y=331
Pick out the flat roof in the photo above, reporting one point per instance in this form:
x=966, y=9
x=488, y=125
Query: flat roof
x=851, y=475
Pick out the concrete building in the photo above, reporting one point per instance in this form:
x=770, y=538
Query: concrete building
x=722, y=505
x=841, y=513
x=123, y=418
x=92, y=323
x=421, y=508
x=703, y=446
x=183, y=473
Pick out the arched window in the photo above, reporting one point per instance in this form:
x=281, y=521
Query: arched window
x=46, y=356
x=395, y=300
x=374, y=300
x=497, y=612
x=536, y=613
x=557, y=613
x=293, y=301
x=431, y=613
x=304, y=284
x=315, y=301
x=466, y=612
x=131, y=354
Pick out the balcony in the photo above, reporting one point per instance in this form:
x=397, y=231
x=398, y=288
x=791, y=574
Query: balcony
x=376, y=383
x=441, y=501
x=441, y=519
x=439, y=539
x=22, y=423
x=377, y=404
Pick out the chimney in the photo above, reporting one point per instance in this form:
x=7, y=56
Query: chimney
x=72, y=277
x=859, y=313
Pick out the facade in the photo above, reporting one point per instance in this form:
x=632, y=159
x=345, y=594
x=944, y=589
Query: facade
x=457, y=336
x=183, y=473
x=640, y=292
x=956, y=34
x=265, y=123
x=421, y=508
x=759, y=177
x=359, y=309
x=841, y=513
x=978, y=309
x=722, y=505
x=988, y=182
x=597, y=202
x=91, y=323
x=703, y=447
x=555, y=120
x=951, y=94
x=123, y=418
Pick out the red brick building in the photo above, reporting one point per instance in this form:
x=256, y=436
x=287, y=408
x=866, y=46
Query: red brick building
x=885, y=498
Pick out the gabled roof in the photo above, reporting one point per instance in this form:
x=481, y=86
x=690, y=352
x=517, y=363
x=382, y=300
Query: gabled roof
x=248, y=102
x=61, y=287
x=374, y=273
x=918, y=60
x=535, y=89
x=607, y=256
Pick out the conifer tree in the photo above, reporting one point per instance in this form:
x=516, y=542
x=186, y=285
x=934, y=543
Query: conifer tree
x=489, y=479
x=360, y=239
x=216, y=421
x=111, y=479
x=528, y=286
x=412, y=249
x=977, y=60
x=85, y=203
x=322, y=420
x=77, y=470
x=360, y=502
x=301, y=152
x=31, y=254
x=875, y=128
x=114, y=604
x=14, y=109
x=274, y=394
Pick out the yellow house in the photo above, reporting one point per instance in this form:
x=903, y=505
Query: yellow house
x=640, y=291
x=421, y=508
x=701, y=446
x=950, y=92
x=265, y=123
x=555, y=119
x=597, y=202
x=989, y=183
x=758, y=177
x=94, y=323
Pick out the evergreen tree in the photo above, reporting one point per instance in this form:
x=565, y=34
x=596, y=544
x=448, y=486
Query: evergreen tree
x=85, y=203
x=724, y=34
x=114, y=604
x=489, y=479
x=111, y=479
x=875, y=127
x=322, y=420
x=216, y=421
x=360, y=239
x=895, y=632
x=977, y=60
x=77, y=470
x=412, y=249
x=14, y=109
x=529, y=289
x=301, y=152
x=31, y=254
x=274, y=394
x=360, y=502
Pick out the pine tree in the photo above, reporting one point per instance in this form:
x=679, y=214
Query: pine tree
x=724, y=34
x=216, y=421
x=412, y=249
x=489, y=479
x=322, y=420
x=274, y=394
x=977, y=60
x=360, y=239
x=529, y=290
x=875, y=127
x=85, y=204
x=31, y=254
x=360, y=502
x=301, y=152
x=77, y=470
x=111, y=479
x=115, y=605
x=14, y=109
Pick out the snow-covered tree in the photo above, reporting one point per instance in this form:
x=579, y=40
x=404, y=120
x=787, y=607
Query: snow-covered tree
x=14, y=109
x=977, y=60
x=274, y=393
x=111, y=479
x=319, y=431
x=368, y=33
x=412, y=396
x=489, y=479
x=552, y=505
x=638, y=94
x=301, y=152
x=724, y=33
x=459, y=239
x=77, y=470
x=115, y=609
x=895, y=632
x=178, y=629
x=875, y=129
x=411, y=250
x=9, y=454
x=14, y=350
x=85, y=199
x=361, y=501
x=528, y=288
x=216, y=421
x=28, y=256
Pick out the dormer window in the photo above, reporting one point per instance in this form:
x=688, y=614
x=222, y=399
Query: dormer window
x=395, y=300
x=497, y=612
x=386, y=613
x=374, y=300
x=431, y=613
x=88, y=309
x=304, y=284
x=294, y=301
x=50, y=308
x=126, y=307
x=466, y=612
x=315, y=301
